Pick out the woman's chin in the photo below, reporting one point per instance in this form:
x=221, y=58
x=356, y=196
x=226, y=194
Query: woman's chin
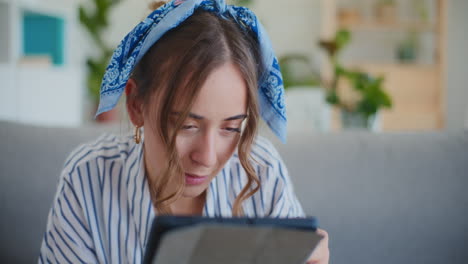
x=193, y=191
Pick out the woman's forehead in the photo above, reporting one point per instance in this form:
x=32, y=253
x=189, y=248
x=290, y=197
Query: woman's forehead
x=223, y=95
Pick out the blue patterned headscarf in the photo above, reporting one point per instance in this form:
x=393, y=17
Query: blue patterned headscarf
x=145, y=34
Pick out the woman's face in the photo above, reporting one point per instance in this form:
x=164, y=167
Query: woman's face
x=209, y=135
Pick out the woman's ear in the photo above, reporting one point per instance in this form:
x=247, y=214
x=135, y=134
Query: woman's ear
x=134, y=105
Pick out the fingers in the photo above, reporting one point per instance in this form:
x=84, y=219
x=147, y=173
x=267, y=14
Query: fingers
x=324, y=234
x=321, y=253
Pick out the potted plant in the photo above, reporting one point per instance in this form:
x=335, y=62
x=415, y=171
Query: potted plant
x=348, y=13
x=305, y=100
x=359, y=111
x=386, y=11
x=407, y=49
x=297, y=70
x=245, y=3
x=95, y=20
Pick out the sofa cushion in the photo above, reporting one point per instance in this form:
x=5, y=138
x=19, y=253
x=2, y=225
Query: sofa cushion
x=385, y=198
x=31, y=159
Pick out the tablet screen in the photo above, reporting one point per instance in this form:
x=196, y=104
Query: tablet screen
x=193, y=240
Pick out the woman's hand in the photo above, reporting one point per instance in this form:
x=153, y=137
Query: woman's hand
x=321, y=254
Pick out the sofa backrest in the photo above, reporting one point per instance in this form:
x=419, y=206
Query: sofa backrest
x=385, y=198
x=31, y=159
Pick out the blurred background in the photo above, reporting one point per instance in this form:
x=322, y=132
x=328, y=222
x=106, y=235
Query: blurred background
x=379, y=65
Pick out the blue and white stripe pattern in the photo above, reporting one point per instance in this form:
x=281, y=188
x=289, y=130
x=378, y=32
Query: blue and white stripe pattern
x=102, y=211
x=132, y=48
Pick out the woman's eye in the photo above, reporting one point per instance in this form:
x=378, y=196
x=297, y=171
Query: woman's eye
x=188, y=127
x=233, y=129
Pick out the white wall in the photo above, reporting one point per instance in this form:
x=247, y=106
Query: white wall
x=293, y=25
x=457, y=65
x=124, y=17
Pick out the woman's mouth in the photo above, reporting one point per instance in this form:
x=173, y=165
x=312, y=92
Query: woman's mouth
x=192, y=179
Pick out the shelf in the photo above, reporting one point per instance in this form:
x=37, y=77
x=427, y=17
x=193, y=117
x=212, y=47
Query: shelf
x=392, y=65
x=417, y=88
x=388, y=26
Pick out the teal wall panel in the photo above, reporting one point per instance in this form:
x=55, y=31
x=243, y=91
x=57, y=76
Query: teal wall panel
x=43, y=35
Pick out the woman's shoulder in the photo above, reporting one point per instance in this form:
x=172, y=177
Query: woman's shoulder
x=263, y=154
x=107, y=146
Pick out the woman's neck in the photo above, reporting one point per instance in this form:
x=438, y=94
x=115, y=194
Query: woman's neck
x=184, y=205
x=189, y=205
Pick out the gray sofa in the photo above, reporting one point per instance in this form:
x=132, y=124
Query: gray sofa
x=383, y=198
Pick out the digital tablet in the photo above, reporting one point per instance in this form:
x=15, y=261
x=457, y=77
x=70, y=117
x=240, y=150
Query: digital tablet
x=194, y=239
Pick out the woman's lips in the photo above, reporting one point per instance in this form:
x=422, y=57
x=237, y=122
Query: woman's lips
x=192, y=179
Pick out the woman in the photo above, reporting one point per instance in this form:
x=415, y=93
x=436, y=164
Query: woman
x=195, y=74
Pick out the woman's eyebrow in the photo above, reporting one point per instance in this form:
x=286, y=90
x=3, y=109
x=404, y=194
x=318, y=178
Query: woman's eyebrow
x=199, y=117
x=236, y=117
x=190, y=115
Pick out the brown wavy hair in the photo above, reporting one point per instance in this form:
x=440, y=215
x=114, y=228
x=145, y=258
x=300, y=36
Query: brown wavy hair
x=175, y=68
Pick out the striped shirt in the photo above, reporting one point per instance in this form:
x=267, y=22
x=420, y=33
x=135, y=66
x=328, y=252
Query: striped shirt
x=102, y=210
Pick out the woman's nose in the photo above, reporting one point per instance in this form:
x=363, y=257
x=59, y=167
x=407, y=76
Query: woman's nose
x=204, y=153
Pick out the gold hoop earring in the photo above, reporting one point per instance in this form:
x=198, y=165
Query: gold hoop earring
x=137, y=136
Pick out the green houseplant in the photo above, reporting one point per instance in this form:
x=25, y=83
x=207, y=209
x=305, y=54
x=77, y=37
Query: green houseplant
x=407, y=50
x=297, y=70
x=304, y=97
x=369, y=89
x=245, y=3
x=95, y=20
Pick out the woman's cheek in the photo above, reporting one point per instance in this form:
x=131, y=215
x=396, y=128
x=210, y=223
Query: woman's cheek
x=184, y=144
x=228, y=147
